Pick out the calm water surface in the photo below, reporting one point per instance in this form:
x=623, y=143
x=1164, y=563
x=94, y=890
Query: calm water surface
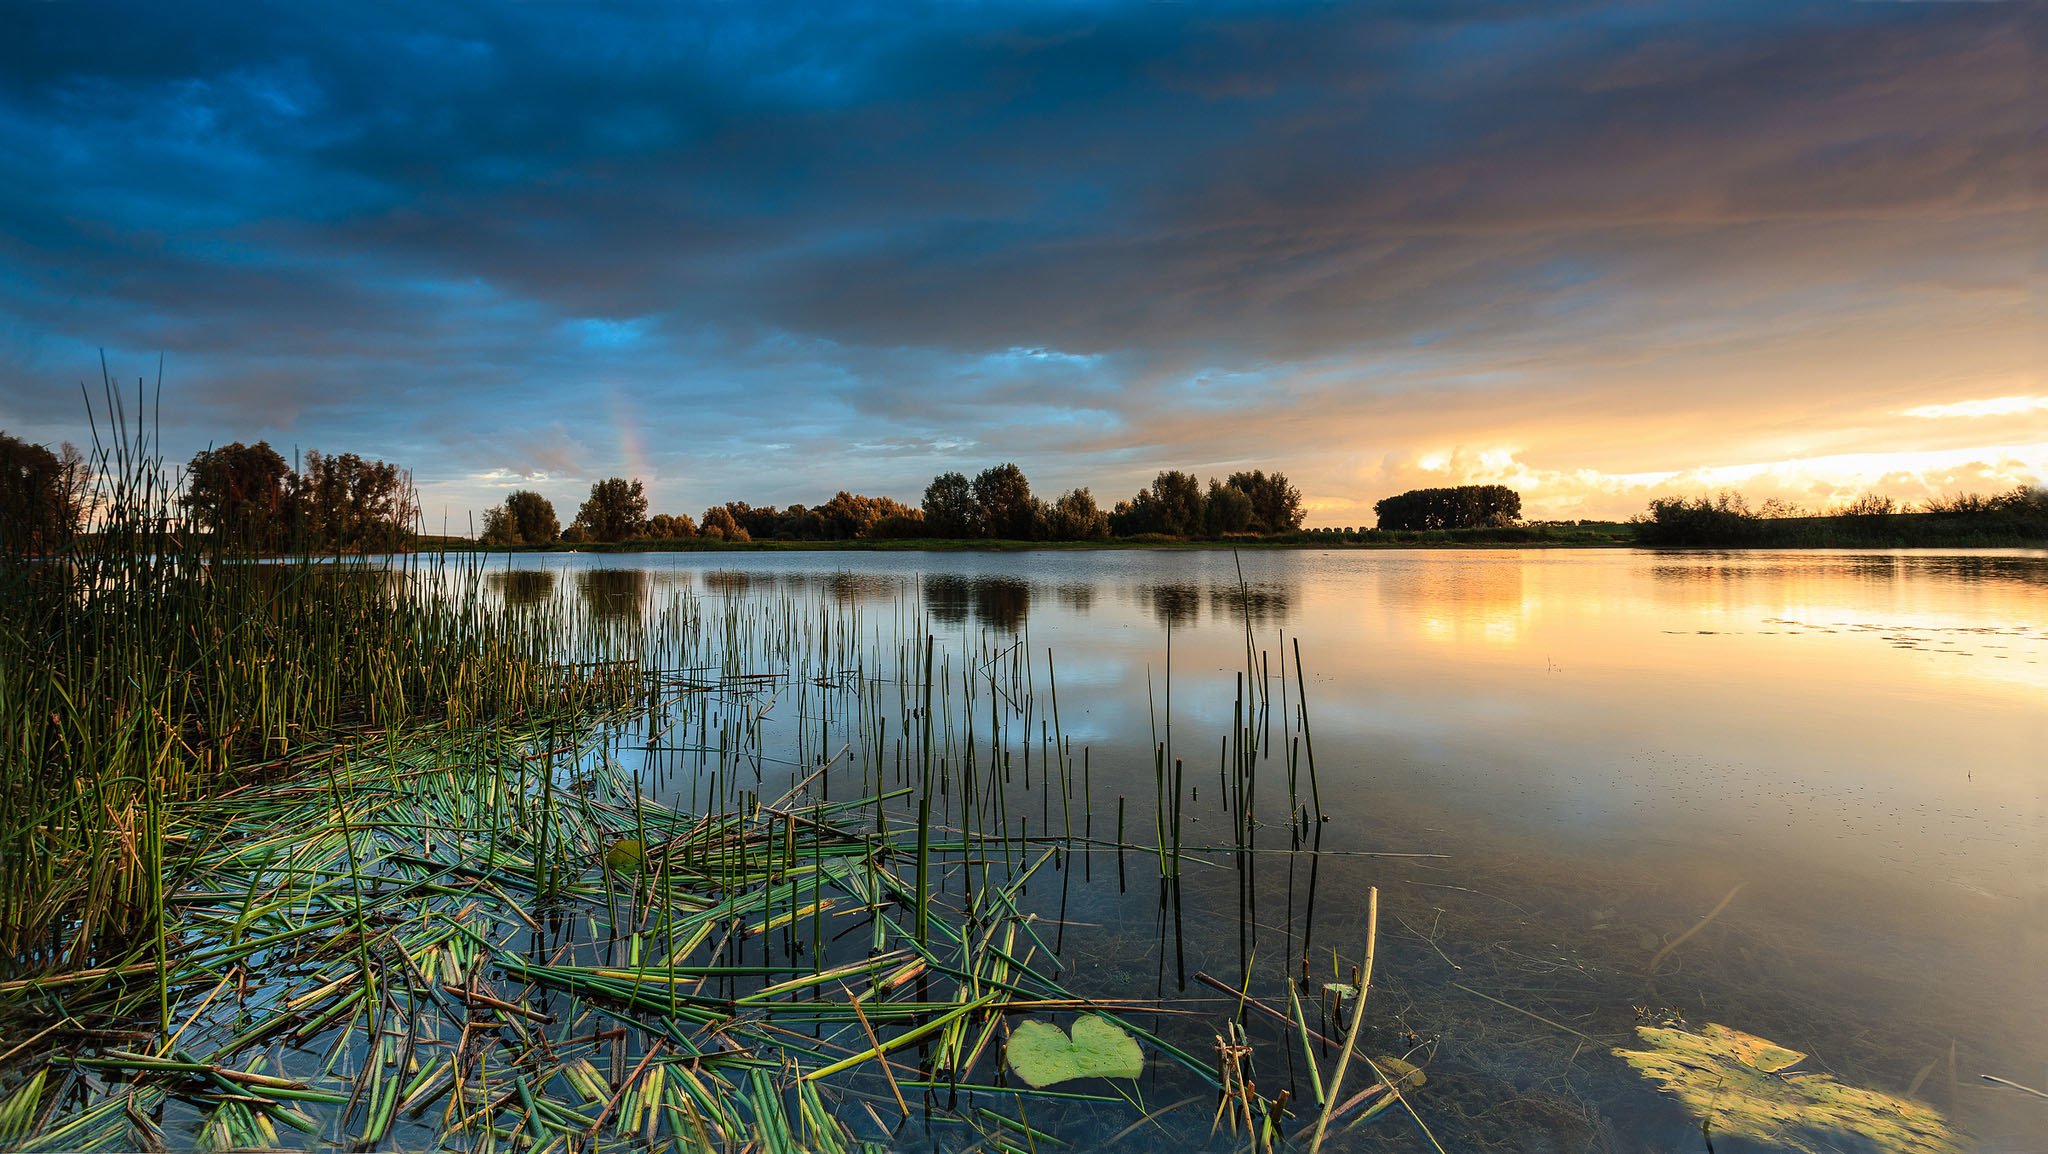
x=1842, y=752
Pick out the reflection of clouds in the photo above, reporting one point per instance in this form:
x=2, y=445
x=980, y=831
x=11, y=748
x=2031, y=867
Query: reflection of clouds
x=1481, y=599
x=613, y=593
x=522, y=587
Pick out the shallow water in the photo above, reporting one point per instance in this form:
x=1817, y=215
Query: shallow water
x=1841, y=752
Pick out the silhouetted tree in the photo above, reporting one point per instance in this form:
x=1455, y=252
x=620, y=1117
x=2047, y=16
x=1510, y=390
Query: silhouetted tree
x=1462, y=507
x=1227, y=509
x=949, y=509
x=1074, y=517
x=1002, y=498
x=526, y=518
x=346, y=502
x=239, y=495
x=1276, y=505
x=1173, y=504
x=42, y=496
x=616, y=510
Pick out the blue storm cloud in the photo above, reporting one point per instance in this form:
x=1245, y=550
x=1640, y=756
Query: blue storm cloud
x=765, y=251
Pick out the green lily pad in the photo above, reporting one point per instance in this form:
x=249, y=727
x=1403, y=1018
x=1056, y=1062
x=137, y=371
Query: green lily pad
x=1044, y=1055
x=1738, y=1084
x=627, y=853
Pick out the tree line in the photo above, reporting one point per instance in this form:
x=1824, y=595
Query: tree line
x=996, y=504
x=240, y=498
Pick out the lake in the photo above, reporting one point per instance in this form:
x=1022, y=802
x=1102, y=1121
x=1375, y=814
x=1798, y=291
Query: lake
x=1796, y=794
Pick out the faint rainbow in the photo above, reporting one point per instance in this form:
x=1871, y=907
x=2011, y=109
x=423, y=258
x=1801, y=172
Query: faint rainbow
x=632, y=448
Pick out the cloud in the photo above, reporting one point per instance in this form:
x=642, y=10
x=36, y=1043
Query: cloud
x=1989, y=407
x=831, y=246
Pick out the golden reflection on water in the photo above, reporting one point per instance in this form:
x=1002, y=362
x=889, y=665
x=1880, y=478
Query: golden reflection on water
x=1604, y=743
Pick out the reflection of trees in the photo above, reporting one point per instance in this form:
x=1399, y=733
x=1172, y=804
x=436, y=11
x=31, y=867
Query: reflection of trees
x=1265, y=603
x=1078, y=596
x=613, y=593
x=1003, y=602
x=727, y=581
x=1175, y=604
x=946, y=597
x=523, y=587
x=848, y=588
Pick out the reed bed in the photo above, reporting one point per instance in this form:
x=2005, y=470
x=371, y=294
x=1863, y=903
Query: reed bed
x=390, y=853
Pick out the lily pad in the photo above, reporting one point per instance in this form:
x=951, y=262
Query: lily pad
x=627, y=853
x=1044, y=1055
x=1738, y=1084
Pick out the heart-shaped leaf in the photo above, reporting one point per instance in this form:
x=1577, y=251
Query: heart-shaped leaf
x=1044, y=1055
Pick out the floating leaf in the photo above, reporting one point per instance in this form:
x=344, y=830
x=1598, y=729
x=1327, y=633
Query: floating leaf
x=1404, y=1075
x=627, y=853
x=1043, y=1055
x=1735, y=1081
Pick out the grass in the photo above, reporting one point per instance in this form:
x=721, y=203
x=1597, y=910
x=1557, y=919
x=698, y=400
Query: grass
x=324, y=851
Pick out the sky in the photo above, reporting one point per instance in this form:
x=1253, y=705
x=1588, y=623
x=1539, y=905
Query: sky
x=1601, y=251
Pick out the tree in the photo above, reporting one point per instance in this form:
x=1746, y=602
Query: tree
x=671, y=527
x=949, y=508
x=1462, y=507
x=1276, y=505
x=526, y=518
x=346, y=502
x=238, y=495
x=848, y=516
x=1002, y=498
x=616, y=510
x=42, y=496
x=1075, y=517
x=1172, y=505
x=1228, y=509
x=719, y=524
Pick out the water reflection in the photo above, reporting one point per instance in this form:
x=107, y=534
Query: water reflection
x=1075, y=595
x=729, y=581
x=613, y=594
x=1603, y=744
x=1002, y=602
x=1175, y=605
x=946, y=598
x=997, y=602
x=849, y=588
x=1264, y=603
x=522, y=587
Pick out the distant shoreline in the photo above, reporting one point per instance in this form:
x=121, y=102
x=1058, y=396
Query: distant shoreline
x=1896, y=531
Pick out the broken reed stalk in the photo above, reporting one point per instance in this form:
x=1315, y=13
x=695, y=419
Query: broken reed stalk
x=1372, y=929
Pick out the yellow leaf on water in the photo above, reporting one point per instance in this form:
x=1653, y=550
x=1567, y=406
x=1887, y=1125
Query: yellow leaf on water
x=1738, y=1084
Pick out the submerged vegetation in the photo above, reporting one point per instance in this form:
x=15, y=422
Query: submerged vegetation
x=325, y=852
